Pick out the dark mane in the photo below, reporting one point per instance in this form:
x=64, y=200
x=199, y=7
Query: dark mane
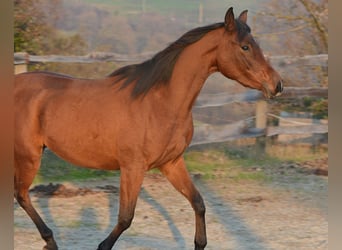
x=158, y=70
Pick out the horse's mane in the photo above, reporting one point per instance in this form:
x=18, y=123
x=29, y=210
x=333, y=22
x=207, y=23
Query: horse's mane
x=158, y=70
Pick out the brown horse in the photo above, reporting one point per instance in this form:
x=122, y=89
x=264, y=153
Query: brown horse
x=136, y=119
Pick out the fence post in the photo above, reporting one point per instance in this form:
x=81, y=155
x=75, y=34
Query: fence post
x=21, y=60
x=20, y=68
x=261, y=123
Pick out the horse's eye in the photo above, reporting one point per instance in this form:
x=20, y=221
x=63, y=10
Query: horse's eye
x=245, y=47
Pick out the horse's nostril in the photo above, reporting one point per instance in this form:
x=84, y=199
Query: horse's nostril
x=279, y=88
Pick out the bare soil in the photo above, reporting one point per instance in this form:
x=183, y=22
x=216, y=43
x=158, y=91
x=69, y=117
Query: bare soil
x=288, y=213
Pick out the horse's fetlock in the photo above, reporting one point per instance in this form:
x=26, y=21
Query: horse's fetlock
x=47, y=235
x=200, y=245
x=50, y=244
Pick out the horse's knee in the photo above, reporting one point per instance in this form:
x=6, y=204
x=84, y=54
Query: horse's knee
x=198, y=205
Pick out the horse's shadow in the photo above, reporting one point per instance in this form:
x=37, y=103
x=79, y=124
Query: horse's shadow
x=66, y=237
x=245, y=238
x=233, y=224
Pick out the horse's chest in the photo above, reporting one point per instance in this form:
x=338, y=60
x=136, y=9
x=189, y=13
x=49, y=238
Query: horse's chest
x=172, y=144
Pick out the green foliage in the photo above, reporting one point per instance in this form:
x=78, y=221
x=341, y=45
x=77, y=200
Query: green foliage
x=30, y=29
x=320, y=109
x=35, y=33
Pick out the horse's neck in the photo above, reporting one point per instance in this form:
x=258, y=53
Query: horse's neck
x=192, y=69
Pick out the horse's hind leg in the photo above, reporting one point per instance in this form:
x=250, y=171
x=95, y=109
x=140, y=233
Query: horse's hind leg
x=179, y=177
x=26, y=168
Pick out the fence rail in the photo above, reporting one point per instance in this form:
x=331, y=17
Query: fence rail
x=205, y=134
x=24, y=58
x=208, y=133
x=215, y=100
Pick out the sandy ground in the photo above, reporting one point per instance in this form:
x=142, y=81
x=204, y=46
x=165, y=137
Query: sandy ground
x=289, y=213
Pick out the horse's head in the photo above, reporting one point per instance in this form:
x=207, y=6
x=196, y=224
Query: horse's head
x=240, y=57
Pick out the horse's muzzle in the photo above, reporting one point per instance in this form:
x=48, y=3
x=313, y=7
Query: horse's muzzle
x=279, y=89
x=270, y=94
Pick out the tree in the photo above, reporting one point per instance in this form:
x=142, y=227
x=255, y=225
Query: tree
x=296, y=27
x=35, y=31
x=318, y=13
x=30, y=29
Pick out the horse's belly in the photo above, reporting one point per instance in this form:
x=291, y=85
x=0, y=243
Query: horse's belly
x=83, y=152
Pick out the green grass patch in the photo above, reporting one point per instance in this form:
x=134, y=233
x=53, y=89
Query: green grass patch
x=226, y=160
x=296, y=153
x=55, y=169
x=244, y=162
x=213, y=164
x=209, y=164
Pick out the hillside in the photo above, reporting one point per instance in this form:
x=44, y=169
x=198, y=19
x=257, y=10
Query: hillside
x=139, y=26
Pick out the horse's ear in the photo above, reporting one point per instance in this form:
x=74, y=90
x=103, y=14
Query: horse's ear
x=243, y=16
x=229, y=20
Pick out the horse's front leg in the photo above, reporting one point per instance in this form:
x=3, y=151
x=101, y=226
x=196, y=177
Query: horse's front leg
x=130, y=184
x=179, y=177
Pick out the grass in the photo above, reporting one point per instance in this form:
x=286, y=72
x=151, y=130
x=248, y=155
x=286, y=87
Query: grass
x=54, y=169
x=209, y=163
x=235, y=161
x=214, y=164
x=296, y=153
x=242, y=161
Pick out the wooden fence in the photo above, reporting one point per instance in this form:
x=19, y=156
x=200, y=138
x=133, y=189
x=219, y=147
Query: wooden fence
x=23, y=58
x=208, y=133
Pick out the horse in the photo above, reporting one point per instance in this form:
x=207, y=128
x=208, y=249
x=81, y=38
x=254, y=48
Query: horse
x=135, y=119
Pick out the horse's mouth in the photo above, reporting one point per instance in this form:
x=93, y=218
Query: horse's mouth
x=268, y=93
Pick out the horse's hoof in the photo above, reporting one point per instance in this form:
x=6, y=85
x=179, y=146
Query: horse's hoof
x=50, y=248
x=104, y=246
x=51, y=245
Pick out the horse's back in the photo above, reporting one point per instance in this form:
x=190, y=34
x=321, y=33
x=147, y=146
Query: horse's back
x=36, y=81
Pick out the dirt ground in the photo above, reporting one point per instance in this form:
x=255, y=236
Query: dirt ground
x=288, y=213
